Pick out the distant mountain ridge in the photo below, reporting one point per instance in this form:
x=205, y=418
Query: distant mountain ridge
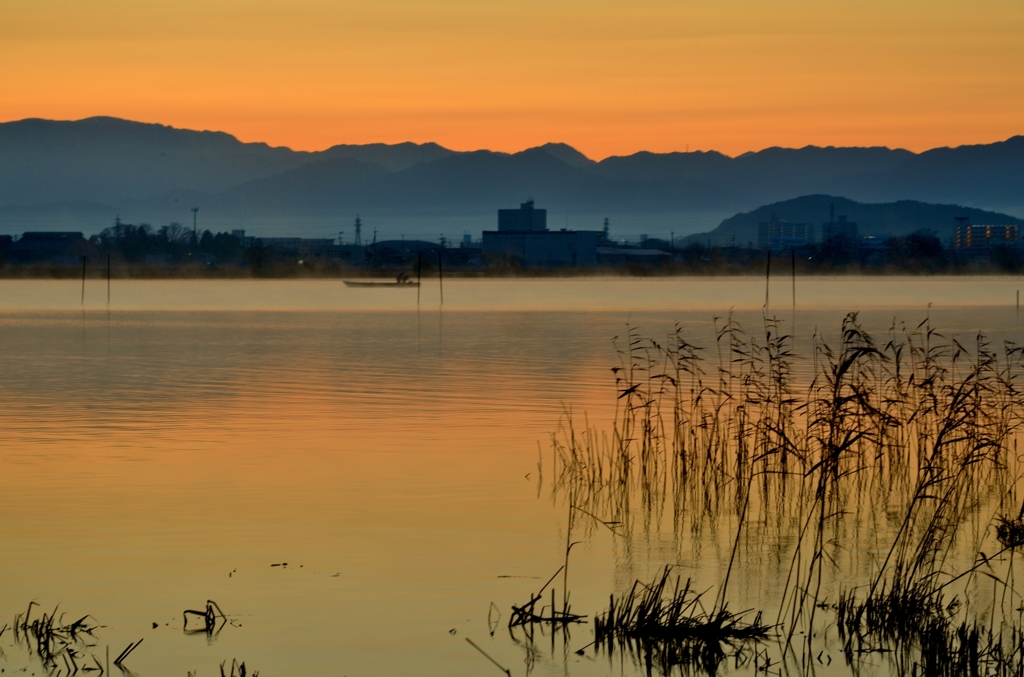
x=890, y=218
x=155, y=173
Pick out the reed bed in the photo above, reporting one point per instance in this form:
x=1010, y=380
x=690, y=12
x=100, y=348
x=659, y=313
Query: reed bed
x=61, y=647
x=236, y=669
x=533, y=611
x=671, y=626
x=876, y=487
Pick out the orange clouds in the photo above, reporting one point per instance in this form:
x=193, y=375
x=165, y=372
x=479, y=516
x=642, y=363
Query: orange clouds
x=607, y=77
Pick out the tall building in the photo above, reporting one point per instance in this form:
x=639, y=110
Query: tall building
x=982, y=237
x=776, y=233
x=526, y=218
x=523, y=237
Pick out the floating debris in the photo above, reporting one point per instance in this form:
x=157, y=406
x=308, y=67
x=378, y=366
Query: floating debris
x=208, y=618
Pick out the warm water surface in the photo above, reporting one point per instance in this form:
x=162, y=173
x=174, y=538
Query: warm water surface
x=389, y=456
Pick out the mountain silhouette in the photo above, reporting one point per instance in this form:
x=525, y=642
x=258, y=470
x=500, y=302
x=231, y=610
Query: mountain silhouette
x=106, y=159
x=393, y=157
x=568, y=155
x=891, y=218
x=155, y=173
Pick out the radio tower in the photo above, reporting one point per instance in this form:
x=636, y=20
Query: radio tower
x=195, y=210
x=359, y=232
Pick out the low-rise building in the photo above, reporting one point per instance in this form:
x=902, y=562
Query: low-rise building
x=617, y=256
x=55, y=247
x=299, y=247
x=874, y=243
x=543, y=248
x=244, y=241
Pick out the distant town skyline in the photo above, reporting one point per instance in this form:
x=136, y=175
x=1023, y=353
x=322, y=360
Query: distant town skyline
x=607, y=78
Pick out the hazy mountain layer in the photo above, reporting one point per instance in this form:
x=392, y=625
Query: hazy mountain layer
x=891, y=218
x=89, y=171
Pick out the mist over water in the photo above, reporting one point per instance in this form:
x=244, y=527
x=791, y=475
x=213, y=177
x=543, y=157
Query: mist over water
x=198, y=429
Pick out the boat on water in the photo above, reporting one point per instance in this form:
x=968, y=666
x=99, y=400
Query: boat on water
x=361, y=283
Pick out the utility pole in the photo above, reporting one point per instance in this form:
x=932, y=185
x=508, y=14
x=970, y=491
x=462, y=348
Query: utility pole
x=195, y=210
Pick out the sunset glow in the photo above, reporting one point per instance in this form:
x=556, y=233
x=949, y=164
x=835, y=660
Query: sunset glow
x=606, y=77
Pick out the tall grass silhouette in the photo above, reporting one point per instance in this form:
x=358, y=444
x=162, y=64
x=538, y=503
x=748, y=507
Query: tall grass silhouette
x=879, y=484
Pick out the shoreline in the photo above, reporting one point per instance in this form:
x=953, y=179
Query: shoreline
x=128, y=272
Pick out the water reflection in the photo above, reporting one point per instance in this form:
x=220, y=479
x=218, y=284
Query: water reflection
x=156, y=454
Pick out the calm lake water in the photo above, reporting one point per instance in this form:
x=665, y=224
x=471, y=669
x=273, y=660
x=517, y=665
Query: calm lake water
x=170, y=449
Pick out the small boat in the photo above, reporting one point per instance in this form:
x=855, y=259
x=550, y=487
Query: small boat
x=361, y=283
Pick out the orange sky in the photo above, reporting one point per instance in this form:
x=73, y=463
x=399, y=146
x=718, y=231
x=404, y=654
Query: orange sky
x=606, y=76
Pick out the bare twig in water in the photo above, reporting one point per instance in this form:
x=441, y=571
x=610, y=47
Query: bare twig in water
x=127, y=651
x=488, y=657
x=208, y=617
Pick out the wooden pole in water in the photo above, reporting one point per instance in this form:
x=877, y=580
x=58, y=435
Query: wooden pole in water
x=419, y=274
x=83, y=280
x=108, y=279
x=792, y=253
x=440, y=272
x=767, y=276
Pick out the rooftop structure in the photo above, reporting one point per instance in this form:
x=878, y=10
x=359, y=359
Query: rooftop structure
x=524, y=219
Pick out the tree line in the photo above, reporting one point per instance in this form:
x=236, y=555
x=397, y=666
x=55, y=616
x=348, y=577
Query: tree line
x=133, y=243
x=919, y=252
